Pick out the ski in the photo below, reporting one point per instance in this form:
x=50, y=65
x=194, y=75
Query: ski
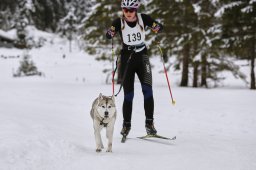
x=156, y=136
x=124, y=138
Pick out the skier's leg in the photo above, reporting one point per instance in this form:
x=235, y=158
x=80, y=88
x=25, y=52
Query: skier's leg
x=145, y=76
x=128, y=86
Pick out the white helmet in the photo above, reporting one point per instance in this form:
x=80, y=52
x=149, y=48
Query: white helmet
x=130, y=4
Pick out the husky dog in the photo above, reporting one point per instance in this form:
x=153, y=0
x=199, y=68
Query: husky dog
x=103, y=113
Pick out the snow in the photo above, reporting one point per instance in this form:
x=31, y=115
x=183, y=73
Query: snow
x=221, y=11
x=29, y=5
x=197, y=8
x=252, y=1
x=46, y=125
x=247, y=9
x=8, y=35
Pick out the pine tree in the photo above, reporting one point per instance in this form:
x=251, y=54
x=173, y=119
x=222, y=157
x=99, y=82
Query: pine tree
x=179, y=19
x=48, y=13
x=80, y=10
x=27, y=67
x=69, y=27
x=96, y=26
x=206, y=40
x=7, y=14
x=239, y=30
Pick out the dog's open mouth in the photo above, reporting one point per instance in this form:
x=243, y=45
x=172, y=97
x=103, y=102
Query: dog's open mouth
x=106, y=116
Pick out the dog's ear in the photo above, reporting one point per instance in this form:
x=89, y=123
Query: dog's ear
x=100, y=96
x=113, y=97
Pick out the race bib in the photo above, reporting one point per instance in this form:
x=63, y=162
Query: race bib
x=135, y=35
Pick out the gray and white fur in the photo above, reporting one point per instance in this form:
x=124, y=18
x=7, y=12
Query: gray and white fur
x=104, y=114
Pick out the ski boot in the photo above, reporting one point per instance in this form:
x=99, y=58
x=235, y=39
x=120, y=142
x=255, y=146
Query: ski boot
x=125, y=131
x=150, y=128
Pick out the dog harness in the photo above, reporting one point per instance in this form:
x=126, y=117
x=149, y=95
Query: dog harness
x=102, y=123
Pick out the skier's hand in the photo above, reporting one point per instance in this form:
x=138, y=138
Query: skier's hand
x=155, y=28
x=111, y=31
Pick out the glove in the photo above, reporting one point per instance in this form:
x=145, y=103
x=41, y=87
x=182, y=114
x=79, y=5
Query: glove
x=155, y=28
x=111, y=31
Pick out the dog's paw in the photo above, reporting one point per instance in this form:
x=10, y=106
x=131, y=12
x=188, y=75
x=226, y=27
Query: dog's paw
x=109, y=150
x=98, y=150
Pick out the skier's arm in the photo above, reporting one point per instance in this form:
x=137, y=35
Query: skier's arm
x=116, y=26
x=155, y=26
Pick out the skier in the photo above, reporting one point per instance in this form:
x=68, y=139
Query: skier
x=134, y=59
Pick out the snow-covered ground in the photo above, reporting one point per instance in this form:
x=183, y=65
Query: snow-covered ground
x=45, y=121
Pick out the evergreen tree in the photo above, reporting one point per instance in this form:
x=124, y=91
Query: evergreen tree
x=206, y=41
x=239, y=30
x=48, y=13
x=69, y=29
x=44, y=14
x=96, y=26
x=7, y=13
x=80, y=10
x=25, y=10
x=179, y=19
x=27, y=67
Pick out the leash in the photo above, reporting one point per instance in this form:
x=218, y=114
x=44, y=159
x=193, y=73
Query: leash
x=113, y=70
x=125, y=72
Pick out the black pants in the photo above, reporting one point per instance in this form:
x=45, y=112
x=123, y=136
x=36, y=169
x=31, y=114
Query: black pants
x=139, y=64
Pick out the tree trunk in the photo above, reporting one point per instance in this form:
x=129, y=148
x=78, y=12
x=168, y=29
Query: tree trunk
x=253, y=64
x=195, y=62
x=195, y=74
x=204, y=71
x=185, y=63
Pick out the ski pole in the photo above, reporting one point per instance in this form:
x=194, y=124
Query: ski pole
x=113, y=72
x=165, y=71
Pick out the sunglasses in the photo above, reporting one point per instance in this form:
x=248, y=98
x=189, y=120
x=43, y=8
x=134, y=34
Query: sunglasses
x=131, y=10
